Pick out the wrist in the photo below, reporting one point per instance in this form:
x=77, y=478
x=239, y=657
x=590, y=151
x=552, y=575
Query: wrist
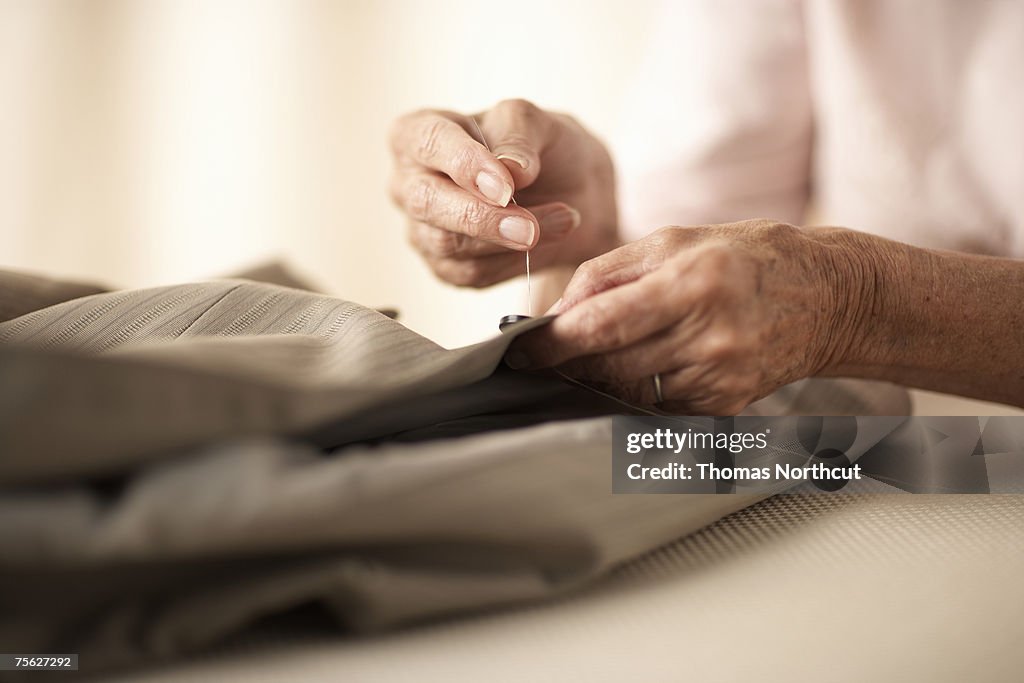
x=862, y=310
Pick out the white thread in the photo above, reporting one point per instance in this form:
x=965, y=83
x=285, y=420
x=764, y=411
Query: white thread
x=529, y=288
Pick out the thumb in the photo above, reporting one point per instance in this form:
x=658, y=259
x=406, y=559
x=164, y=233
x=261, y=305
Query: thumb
x=517, y=131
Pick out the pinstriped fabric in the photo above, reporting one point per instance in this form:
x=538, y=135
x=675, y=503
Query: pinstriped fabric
x=229, y=309
x=39, y=323
x=106, y=380
x=141, y=322
x=304, y=318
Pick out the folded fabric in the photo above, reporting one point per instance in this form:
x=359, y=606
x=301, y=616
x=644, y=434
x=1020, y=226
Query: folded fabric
x=164, y=480
x=98, y=384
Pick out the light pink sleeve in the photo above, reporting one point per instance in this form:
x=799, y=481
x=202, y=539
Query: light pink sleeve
x=719, y=127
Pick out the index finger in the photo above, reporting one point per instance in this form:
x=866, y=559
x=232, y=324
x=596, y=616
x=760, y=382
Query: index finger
x=439, y=141
x=610, y=320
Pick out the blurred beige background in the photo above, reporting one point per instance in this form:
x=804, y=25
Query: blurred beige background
x=147, y=142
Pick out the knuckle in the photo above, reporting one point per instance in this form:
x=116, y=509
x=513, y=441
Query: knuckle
x=668, y=248
x=440, y=268
x=687, y=274
x=444, y=243
x=717, y=257
x=703, y=285
x=430, y=141
x=472, y=217
x=449, y=272
x=708, y=270
x=599, y=329
x=722, y=344
x=569, y=121
x=520, y=107
x=587, y=272
x=667, y=237
x=421, y=198
x=589, y=325
x=468, y=273
x=463, y=163
x=773, y=231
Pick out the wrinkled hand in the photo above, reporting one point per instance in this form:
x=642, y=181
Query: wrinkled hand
x=457, y=194
x=726, y=314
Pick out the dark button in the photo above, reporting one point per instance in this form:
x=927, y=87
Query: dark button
x=512, y=319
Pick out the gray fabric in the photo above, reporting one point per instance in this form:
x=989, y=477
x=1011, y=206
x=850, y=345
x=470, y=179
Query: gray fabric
x=381, y=536
x=96, y=384
x=208, y=519
x=22, y=292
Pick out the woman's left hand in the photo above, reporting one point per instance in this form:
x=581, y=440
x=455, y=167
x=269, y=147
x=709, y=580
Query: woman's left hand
x=723, y=314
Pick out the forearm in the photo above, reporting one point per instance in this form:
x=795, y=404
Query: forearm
x=937, y=320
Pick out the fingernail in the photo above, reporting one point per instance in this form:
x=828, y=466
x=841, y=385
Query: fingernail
x=555, y=308
x=494, y=188
x=562, y=220
x=517, y=360
x=516, y=229
x=523, y=162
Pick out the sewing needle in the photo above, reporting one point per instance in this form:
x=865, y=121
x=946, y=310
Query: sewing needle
x=529, y=288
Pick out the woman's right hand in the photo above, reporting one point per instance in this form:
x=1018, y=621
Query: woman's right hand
x=456, y=193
